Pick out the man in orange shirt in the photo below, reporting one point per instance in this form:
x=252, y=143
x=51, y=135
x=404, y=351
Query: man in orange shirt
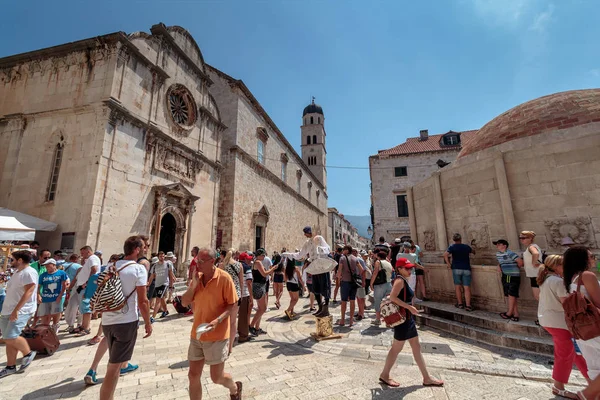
x=213, y=294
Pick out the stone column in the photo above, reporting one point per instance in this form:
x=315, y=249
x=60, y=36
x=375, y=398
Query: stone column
x=160, y=204
x=188, y=241
x=510, y=227
x=440, y=219
x=412, y=218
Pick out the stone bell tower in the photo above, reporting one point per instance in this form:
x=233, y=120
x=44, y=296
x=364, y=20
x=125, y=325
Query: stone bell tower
x=313, y=141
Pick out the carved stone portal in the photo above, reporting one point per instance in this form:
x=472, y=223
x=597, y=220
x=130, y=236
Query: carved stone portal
x=579, y=229
x=478, y=236
x=429, y=242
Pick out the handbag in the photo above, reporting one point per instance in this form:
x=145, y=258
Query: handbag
x=41, y=338
x=381, y=277
x=582, y=317
x=391, y=313
x=357, y=280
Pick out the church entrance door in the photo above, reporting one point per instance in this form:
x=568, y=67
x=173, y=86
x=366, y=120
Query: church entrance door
x=168, y=229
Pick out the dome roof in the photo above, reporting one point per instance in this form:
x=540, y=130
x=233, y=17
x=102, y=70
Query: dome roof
x=313, y=108
x=553, y=112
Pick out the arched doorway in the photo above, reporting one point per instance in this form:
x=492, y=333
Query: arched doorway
x=168, y=229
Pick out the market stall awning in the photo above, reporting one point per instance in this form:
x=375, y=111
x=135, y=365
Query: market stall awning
x=11, y=229
x=29, y=221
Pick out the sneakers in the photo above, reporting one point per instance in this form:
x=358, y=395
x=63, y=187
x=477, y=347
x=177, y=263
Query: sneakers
x=7, y=371
x=57, y=327
x=129, y=368
x=376, y=322
x=164, y=314
x=26, y=361
x=151, y=320
x=187, y=314
x=90, y=378
x=253, y=331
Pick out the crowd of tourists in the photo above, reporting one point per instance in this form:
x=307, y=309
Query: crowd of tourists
x=227, y=294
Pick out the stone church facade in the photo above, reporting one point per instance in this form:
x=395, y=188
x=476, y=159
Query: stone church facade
x=122, y=134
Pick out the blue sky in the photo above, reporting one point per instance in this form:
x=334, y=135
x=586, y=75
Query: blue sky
x=382, y=70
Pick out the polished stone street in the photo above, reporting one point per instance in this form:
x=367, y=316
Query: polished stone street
x=287, y=364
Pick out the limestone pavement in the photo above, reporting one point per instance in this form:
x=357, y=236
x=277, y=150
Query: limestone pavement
x=286, y=364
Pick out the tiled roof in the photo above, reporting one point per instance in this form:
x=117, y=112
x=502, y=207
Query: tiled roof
x=431, y=144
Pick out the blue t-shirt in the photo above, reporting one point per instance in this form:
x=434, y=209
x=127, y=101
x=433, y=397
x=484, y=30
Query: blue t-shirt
x=71, y=269
x=51, y=285
x=508, y=262
x=460, y=256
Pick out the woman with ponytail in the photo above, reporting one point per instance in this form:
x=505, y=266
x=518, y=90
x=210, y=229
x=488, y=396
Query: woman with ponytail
x=552, y=319
x=236, y=271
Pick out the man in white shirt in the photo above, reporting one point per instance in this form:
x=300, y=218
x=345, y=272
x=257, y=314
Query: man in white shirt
x=120, y=327
x=90, y=267
x=19, y=306
x=161, y=273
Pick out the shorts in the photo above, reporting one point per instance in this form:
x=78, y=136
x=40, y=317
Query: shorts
x=121, y=341
x=278, y=278
x=420, y=272
x=511, y=284
x=267, y=285
x=50, y=308
x=461, y=277
x=348, y=291
x=212, y=353
x=150, y=290
x=292, y=287
x=258, y=290
x=1, y=302
x=84, y=306
x=309, y=287
x=534, y=283
x=361, y=293
x=159, y=292
x=10, y=329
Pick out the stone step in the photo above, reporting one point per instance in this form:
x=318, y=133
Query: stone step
x=516, y=341
x=483, y=319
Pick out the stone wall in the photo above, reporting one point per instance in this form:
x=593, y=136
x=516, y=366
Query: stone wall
x=549, y=183
x=385, y=187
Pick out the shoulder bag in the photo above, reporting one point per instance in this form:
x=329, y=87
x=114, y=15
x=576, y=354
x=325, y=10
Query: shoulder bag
x=582, y=317
x=109, y=294
x=391, y=313
x=357, y=280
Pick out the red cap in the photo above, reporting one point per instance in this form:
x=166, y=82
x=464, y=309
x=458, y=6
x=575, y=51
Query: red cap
x=244, y=257
x=403, y=262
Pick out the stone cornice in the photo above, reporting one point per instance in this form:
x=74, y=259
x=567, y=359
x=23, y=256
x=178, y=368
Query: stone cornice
x=119, y=112
x=161, y=30
x=206, y=112
x=264, y=171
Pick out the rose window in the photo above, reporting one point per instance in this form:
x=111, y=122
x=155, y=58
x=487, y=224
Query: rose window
x=181, y=106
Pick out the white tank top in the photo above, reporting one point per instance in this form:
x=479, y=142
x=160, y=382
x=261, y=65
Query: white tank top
x=528, y=262
x=294, y=278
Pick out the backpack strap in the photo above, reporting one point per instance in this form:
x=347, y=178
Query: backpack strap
x=125, y=266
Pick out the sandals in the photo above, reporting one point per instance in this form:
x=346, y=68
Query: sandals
x=459, y=305
x=434, y=383
x=95, y=340
x=340, y=322
x=580, y=396
x=468, y=308
x=391, y=383
x=83, y=332
x=289, y=315
x=565, y=393
x=515, y=319
x=505, y=316
x=537, y=322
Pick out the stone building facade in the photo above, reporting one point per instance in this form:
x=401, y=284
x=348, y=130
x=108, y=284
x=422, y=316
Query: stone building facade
x=268, y=192
x=394, y=171
x=535, y=167
x=342, y=232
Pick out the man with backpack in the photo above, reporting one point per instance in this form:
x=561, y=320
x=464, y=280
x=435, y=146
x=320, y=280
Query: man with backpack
x=120, y=324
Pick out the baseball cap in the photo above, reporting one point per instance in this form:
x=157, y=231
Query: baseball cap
x=307, y=230
x=500, y=241
x=261, y=252
x=397, y=240
x=98, y=253
x=50, y=261
x=404, y=263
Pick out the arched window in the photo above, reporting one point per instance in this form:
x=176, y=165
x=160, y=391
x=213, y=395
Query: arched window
x=314, y=139
x=53, y=183
x=308, y=139
x=312, y=121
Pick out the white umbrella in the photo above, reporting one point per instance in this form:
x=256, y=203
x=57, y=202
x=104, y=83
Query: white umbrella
x=12, y=229
x=30, y=221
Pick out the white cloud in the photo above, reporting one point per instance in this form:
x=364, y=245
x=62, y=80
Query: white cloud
x=541, y=20
x=500, y=12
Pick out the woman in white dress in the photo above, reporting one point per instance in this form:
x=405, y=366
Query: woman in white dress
x=577, y=264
